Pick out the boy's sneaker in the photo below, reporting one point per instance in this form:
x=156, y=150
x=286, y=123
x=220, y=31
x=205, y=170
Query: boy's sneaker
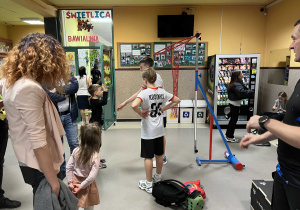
x=157, y=178
x=226, y=116
x=232, y=140
x=164, y=161
x=145, y=185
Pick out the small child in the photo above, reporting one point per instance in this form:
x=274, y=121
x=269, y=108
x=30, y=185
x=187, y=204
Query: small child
x=152, y=131
x=96, y=91
x=83, y=166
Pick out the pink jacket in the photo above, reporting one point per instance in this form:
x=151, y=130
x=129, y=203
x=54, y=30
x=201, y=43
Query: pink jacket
x=33, y=122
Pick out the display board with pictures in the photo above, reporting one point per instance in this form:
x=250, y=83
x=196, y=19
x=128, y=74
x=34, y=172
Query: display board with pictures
x=163, y=60
x=132, y=53
x=188, y=54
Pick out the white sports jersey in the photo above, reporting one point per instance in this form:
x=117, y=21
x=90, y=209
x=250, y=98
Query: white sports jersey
x=159, y=83
x=153, y=99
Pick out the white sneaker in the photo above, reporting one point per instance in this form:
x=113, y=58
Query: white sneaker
x=157, y=178
x=145, y=185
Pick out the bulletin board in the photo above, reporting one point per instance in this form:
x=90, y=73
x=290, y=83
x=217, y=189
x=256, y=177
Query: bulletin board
x=162, y=60
x=130, y=54
x=188, y=55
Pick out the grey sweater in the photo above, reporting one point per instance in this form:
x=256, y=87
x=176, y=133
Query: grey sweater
x=45, y=198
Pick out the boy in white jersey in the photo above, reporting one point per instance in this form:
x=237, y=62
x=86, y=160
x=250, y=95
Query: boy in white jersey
x=147, y=63
x=152, y=132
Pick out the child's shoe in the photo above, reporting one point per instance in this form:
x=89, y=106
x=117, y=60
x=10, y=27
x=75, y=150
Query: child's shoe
x=102, y=161
x=102, y=165
x=157, y=178
x=145, y=185
x=165, y=160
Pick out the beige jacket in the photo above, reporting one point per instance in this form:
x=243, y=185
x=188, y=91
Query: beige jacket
x=33, y=122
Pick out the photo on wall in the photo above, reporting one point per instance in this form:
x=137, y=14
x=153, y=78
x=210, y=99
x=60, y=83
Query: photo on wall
x=131, y=54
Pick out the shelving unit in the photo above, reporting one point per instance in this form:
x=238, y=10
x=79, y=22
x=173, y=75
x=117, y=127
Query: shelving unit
x=5, y=47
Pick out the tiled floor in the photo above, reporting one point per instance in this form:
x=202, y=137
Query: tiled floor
x=226, y=188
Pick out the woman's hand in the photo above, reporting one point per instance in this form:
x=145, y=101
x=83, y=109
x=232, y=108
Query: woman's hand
x=56, y=188
x=71, y=186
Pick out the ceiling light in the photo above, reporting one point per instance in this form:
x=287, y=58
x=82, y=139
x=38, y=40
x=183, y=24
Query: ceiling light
x=33, y=21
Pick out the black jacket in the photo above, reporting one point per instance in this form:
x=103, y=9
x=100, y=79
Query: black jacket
x=239, y=91
x=70, y=90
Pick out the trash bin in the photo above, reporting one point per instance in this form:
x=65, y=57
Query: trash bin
x=201, y=110
x=172, y=118
x=186, y=111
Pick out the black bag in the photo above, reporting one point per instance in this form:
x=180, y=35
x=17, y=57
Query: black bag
x=170, y=192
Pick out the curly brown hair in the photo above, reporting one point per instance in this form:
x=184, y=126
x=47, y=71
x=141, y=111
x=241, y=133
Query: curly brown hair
x=39, y=57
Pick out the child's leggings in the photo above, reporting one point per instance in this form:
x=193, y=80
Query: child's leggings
x=88, y=208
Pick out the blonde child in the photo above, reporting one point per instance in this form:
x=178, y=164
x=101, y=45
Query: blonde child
x=83, y=167
x=152, y=132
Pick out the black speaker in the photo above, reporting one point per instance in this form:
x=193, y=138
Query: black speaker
x=52, y=27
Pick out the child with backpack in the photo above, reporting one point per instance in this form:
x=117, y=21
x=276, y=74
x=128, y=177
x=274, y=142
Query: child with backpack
x=152, y=131
x=83, y=166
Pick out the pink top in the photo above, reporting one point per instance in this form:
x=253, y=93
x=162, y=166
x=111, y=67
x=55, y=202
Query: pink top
x=33, y=122
x=89, y=170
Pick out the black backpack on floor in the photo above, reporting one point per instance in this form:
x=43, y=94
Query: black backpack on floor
x=170, y=192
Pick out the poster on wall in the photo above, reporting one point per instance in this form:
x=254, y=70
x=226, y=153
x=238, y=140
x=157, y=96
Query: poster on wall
x=86, y=27
x=163, y=60
x=71, y=62
x=131, y=54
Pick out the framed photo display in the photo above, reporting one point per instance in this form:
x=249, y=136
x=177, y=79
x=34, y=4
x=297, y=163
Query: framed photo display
x=188, y=54
x=132, y=53
x=163, y=60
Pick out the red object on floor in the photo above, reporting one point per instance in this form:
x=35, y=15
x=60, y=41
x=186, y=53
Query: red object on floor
x=195, y=185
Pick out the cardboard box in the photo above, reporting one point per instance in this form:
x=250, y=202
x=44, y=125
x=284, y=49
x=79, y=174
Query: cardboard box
x=261, y=194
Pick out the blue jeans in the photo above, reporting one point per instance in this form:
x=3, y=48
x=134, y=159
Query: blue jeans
x=71, y=130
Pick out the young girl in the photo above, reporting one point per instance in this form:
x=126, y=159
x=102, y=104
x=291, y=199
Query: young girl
x=280, y=106
x=83, y=167
x=236, y=92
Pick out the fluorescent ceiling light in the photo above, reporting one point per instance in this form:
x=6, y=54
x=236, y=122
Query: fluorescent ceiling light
x=101, y=20
x=33, y=21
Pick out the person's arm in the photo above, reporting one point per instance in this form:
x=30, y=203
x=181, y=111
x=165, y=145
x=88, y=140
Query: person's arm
x=130, y=99
x=242, y=91
x=69, y=171
x=55, y=98
x=135, y=106
x=89, y=81
x=274, y=107
x=72, y=87
x=173, y=103
x=91, y=177
x=46, y=165
x=256, y=139
x=287, y=133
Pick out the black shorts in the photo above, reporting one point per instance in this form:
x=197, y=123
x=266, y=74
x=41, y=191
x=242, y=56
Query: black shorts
x=151, y=147
x=165, y=121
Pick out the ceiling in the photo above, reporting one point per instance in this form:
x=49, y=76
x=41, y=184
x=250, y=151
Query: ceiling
x=12, y=10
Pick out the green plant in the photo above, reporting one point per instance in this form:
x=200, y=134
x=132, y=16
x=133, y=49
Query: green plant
x=94, y=57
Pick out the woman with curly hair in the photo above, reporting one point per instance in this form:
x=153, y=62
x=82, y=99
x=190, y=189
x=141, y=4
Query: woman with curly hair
x=35, y=126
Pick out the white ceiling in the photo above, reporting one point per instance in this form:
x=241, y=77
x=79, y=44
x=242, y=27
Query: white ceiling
x=12, y=10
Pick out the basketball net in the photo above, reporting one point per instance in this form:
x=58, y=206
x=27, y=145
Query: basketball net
x=176, y=50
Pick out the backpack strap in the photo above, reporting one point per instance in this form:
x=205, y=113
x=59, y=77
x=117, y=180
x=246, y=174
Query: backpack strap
x=174, y=180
